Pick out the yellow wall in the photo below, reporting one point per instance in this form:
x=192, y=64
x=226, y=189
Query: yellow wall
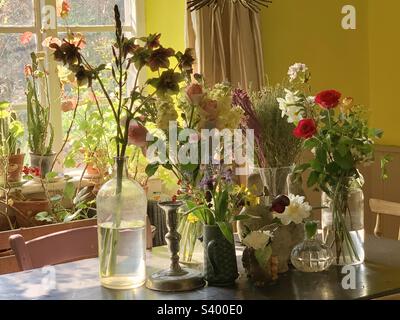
x=361, y=63
x=384, y=47
x=168, y=18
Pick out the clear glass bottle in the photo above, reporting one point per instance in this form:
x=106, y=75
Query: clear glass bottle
x=311, y=255
x=121, y=218
x=351, y=251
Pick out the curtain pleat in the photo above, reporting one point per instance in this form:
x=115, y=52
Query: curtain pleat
x=228, y=45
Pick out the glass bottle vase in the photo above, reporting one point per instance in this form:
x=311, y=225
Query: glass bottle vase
x=343, y=225
x=311, y=256
x=121, y=218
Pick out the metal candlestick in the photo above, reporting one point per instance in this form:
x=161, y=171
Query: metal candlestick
x=175, y=278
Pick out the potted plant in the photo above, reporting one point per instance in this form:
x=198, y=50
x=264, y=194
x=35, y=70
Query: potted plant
x=11, y=133
x=40, y=130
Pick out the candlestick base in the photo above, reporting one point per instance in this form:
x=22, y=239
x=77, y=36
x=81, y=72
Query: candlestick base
x=172, y=281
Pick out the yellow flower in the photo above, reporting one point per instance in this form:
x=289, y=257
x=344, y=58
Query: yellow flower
x=192, y=218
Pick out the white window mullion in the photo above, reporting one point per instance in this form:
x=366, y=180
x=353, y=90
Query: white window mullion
x=54, y=86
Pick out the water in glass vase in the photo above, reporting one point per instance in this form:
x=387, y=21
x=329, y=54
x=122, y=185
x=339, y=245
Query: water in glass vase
x=122, y=254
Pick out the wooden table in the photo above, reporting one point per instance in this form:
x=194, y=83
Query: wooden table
x=378, y=276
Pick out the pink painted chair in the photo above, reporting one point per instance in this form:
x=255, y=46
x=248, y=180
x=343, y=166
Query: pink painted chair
x=55, y=248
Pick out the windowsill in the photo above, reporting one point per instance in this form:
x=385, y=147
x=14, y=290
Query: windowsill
x=34, y=187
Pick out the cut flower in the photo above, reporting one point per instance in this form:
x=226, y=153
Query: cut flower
x=296, y=211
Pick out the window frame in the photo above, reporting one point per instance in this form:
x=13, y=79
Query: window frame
x=134, y=16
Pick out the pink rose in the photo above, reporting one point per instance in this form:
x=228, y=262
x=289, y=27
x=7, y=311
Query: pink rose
x=137, y=134
x=210, y=107
x=68, y=105
x=195, y=93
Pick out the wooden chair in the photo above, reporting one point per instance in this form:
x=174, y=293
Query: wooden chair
x=55, y=248
x=383, y=207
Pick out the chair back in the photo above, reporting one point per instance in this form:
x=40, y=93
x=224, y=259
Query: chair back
x=381, y=207
x=60, y=247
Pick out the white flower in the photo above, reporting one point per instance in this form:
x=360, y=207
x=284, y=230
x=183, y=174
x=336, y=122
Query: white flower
x=311, y=100
x=296, y=212
x=291, y=106
x=295, y=69
x=257, y=239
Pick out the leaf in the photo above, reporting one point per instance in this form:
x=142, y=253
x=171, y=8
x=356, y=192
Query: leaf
x=70, y=217
x=56, y=198
x=51, y=175
x=242, y=217
x=226, y=230
x=222, y=205
x=4, y=105
x=321, y=156
x=310, y=143
x=376, y=133
x=312, y=179
x=263, y=256
x=69, y=162
x=190, y=167
x=302, y=167
x=44, y=216
x=151, y=169
x=384, y=162
x=311, y=228
x=345, y=162
x=69, y=190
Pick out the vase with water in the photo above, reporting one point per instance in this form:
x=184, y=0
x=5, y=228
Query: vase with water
x=121, y=219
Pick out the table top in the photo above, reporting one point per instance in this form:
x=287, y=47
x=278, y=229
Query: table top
x=378, y=276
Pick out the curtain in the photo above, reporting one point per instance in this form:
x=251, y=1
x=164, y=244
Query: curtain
x=227, y=44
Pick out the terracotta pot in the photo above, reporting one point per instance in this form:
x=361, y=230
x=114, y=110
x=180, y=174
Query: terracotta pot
x=28, y=209
x=91, y=170
x=15, y=166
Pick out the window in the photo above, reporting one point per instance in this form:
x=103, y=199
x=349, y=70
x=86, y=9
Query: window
x=25, y=24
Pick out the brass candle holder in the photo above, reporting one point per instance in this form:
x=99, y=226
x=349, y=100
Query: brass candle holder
x=175, y=278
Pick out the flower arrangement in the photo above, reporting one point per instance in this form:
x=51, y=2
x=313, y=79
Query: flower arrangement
x=337, y=132
x=275, y=146
x=217, y=200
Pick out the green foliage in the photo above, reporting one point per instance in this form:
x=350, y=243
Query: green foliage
x=40, y=130
x=11, y=131
x=343, y=142
x=216, y=203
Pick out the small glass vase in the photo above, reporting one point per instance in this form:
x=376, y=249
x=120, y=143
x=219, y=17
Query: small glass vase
x=275, y=180
x=121, y=218
x=311, y=256
x=190, y=229
x=343, y=225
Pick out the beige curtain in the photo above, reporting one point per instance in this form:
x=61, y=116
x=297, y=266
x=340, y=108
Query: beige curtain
x=228, y=45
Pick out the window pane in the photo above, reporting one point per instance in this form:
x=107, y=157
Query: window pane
x=14, y=13
x=13, y=57
x=97, y=51
x=93, y=12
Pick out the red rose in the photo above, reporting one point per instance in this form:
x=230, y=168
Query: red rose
x=305, y=129
x=328, y=99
